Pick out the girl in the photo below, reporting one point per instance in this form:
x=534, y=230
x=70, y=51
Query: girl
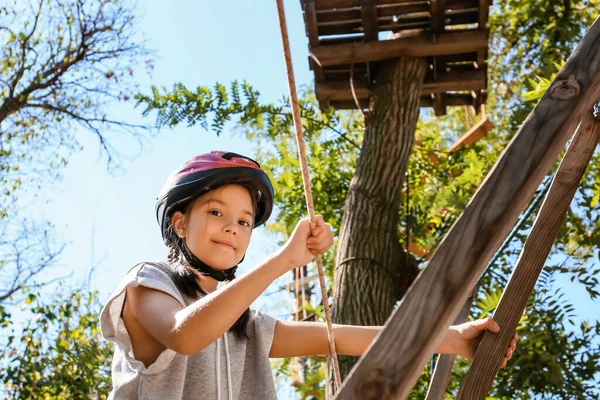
x=179, y=335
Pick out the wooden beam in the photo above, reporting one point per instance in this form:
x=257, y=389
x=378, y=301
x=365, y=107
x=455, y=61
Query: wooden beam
x=492, y=348
x=482, y=24
x=341, y=90
x=417, y=46
x=439, y=104
x=437, y=11
x=452, y=99
x=438, y=24
x=443, y=366
x=310, y=20
x=336, y=4
x=456, y=81
x=453, y=81
x=355, y=13
x=328, y=5
x=473, y=135
x=391, y=366
x=349, y=104
x=368, y=10
x=484, y=10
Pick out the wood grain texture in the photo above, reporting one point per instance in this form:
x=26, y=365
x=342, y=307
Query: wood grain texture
x=448, y=81
x=419, y=46
x=522, y=281
x=368, y=9
x=452, y=99
x=476, y=133
x=445, y=362
x=394, y=361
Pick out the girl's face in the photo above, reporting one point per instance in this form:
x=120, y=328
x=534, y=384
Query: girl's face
x=218, y=226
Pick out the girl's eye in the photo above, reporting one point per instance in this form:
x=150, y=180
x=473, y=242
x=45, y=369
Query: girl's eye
x=216, y=213
x=245, y=223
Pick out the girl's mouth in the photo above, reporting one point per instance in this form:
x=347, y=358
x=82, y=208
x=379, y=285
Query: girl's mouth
x=225, y=244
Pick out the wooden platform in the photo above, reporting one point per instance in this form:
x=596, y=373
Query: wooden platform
x=450, y=34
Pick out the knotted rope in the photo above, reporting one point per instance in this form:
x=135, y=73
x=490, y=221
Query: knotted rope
x=306, y=180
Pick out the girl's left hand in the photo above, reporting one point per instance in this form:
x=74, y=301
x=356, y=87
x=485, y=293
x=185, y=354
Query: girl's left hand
x=469, y=334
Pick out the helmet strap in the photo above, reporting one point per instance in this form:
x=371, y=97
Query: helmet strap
x=204, y=269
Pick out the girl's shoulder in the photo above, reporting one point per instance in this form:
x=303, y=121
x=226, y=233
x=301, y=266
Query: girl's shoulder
x=157, y=275
x=155, y=269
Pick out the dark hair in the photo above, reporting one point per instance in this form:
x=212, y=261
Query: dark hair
x=185, y=278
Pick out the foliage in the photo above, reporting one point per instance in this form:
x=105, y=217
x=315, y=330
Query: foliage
x=28, y=249
x=58, y=353
x=62, y=63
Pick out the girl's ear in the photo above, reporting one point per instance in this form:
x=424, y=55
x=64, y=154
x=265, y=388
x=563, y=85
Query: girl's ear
x=178, y=223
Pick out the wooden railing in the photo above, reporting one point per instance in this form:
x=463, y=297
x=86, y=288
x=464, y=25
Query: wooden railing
x=394, y=361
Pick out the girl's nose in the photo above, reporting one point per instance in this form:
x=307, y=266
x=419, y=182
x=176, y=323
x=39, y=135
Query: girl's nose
x=231, y=227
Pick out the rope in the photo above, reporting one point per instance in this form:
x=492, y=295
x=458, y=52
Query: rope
x=354, y=96
x=384, y=267
x=303, y=293
x=306, y=181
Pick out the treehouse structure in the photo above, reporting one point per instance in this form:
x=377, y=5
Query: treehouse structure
x=349, y=40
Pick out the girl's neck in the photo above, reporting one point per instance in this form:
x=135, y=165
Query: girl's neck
x=207, y=283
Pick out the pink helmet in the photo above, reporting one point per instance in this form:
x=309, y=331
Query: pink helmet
x=208, y=171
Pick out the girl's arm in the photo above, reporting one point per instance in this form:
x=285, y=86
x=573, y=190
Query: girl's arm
x=296, y=339
x=188, y=330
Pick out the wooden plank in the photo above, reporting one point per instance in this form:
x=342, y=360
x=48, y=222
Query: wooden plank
x=438, y=24
x=331, y=25
x=349, y=104
x=473, y=135
x=310, y=20
x=391, y=366
x=484, y=10
x=456, y=81
x=490, y=353
x=437, y=12
x=328, y=5
x=418, y=46
x=482, y=24
x=333, y=4
x=353, y=26
x=341, y=90
x=443, y=366
x=449, y=81
x=439, y=104
x=355, y=13
x=452, y=99
x=368, y=10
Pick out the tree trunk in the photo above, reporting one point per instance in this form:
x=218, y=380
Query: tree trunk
x=371, y=270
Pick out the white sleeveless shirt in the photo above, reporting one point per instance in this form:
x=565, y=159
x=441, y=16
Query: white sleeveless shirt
x=234, y=367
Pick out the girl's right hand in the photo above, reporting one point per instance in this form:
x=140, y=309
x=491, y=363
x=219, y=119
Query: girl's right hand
x=304, y=243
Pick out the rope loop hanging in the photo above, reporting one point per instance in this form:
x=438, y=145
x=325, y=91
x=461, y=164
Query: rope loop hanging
x=306, y=180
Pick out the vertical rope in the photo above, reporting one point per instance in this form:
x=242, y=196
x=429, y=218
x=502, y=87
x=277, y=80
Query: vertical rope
x=297, y=293
x=303, y=293
x=306, y=180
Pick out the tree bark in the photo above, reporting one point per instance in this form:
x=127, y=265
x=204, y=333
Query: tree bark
x=372, y=270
